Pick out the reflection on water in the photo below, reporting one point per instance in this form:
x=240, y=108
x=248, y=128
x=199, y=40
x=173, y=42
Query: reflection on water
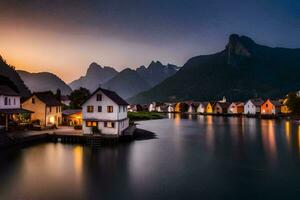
x=194, y=157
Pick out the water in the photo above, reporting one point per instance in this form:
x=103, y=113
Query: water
x=194, y=157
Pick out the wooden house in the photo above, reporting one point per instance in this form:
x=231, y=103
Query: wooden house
x=181, y=107
x=221, y=107
x=252, y=106
x=193, y=107
x=236, y=108
x=271, y=107
x=209, y=107
x=45, y=107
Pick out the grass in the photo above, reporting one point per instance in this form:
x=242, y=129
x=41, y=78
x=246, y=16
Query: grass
x=137, y=116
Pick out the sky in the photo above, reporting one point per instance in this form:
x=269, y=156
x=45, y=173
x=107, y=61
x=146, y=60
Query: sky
x=65, y=36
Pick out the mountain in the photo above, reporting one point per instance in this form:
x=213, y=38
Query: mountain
x=127, y=83
x=10, y=77
x=44, y=81
x=156, y=72
x=244, y=69
x=95, y=76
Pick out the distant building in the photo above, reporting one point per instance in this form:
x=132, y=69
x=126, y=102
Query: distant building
x=171, y=108
x=271, y=107
x=209, y=107
x=105, y=110
x=152, y=107
x=65, y=100
x=193, y=107
x=202, y=107
x=221, y=107
x=72, y=117
x=47, y=109
x=236, y=108
x=135, y=108
x=252, y=106
x=181, y=107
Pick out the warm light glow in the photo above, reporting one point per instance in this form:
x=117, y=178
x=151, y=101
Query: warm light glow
x=269, y=139
x=288, y=133
x=52, y=120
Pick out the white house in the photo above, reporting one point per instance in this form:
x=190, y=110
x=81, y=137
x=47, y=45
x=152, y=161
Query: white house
x=10, y=106
x=171, y=108
x=252, y=106
x=105, y=110
x=152, y=107
x=9, y=99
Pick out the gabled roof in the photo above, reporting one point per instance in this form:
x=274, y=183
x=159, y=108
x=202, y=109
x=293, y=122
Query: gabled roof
x=110, y=94
x=256, y=102
x=47, y=97
x=5, y=90
x=223, y=105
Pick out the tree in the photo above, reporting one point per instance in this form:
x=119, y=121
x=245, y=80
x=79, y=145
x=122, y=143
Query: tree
x=78, y=96
x=293, y=103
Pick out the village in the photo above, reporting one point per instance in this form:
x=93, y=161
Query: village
x=105, y=112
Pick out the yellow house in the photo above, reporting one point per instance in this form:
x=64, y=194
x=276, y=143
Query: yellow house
x=209, y=108
x=46, y=108
x=284, y=109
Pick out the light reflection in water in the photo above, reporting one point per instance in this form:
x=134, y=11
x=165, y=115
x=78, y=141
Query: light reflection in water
x=78, y=161
x=299, y=138
x=288, y=133
x=209, y=132
x=269, y=139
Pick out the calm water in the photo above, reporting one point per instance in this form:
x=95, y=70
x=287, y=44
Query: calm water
x=195, y=157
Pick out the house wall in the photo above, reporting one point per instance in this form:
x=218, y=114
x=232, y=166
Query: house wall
x=38, y=109
x=53, y=115
x=12, y=102
x=218, y=109
x=117, y=130
x=250, y=108
x=267, y=108
x=232, y=109
x=170, y=108
x=209, y=108
x=191, y=109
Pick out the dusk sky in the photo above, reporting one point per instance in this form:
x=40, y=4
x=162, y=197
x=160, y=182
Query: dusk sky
x=65, y=36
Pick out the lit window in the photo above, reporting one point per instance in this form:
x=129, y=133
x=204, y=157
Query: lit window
x=110, y=109
x=109, y=124
x=90, y=109
x=91, y=124
x=99, y=97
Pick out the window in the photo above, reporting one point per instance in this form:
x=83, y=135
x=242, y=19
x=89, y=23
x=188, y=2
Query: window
x=90, y=109
x=8, y=101
x=267, y=105
x=56, y=109
x=50, y=109
x=33, y=100
x=99, y=108
x=14, y=101
x=124, y=109
x=91, y=124
x=109, y=124
x=5, y=101
x=110, y=109
x=120, y=108
x=99, y=97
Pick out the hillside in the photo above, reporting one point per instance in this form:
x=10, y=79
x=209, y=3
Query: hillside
x=9, y=72
x=242, y=70
x=127, y=83
x=44, y=81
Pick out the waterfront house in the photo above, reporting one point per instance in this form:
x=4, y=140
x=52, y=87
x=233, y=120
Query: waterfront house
x=47, y=109
x=236, y=108
x=171, y=108
x=220, y=107
x=106, y=111
x=160, y=107
x=252, y=106
x=181, y=107
x=193, y=107
x=72, y=117
x=151, y=107
x=209, y=107
x=11, y=112
x=284, y=108
x=202, y=107
x=135, y=108
x=271, y=107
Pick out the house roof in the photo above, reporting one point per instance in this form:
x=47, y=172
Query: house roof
x=223, y=105
x=110, y=94
x=276, y=103
x=14, y=111
x=5, y=90
x=47, y=97
x=71, y=111
x=256, y=102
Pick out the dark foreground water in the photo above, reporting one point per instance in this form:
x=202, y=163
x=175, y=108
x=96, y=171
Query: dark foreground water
x=193, y=158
